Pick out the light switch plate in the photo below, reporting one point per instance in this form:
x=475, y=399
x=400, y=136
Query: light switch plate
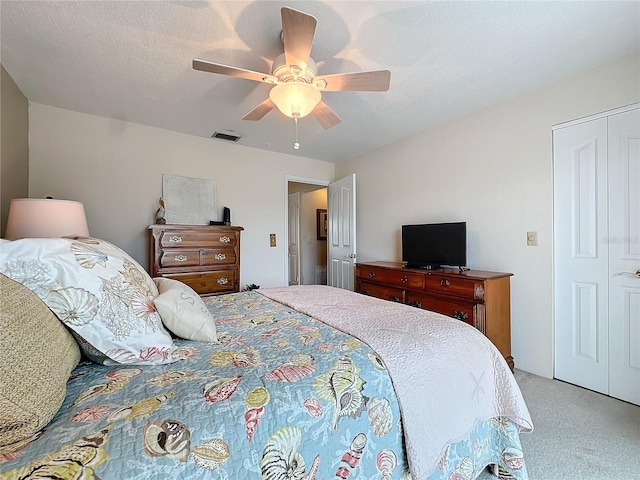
x=532, y=239
x=272, y=239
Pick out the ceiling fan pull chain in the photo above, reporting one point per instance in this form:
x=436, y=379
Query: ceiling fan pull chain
x=296, y=144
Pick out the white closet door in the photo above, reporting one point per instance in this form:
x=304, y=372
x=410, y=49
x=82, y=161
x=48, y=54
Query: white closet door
x=581, y=254
x=624, y=256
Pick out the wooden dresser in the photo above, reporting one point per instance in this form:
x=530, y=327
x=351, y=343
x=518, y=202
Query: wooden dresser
x=207, y=258
x=479, y=298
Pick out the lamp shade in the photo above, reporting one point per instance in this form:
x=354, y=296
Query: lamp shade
x=295, y=98
x=45, y=217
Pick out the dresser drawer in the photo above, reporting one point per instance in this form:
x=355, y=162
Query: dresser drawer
x=208, y=282
x=178, y=238
x=406, y=279
x=379, y=291
x=460, y=287
x=457, y=310
x=218, y=257
x=373, y=274
x=179, y=258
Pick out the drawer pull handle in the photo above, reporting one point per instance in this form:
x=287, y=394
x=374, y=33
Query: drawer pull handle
x=458, y=315
x=416, y=304
x=175, y=239
x=220, y=256
x=444, y=282
x=372, y=274
x=223, y=281
x=394, y=299
x=404, y=279
x=225, y=239
x=180, y=258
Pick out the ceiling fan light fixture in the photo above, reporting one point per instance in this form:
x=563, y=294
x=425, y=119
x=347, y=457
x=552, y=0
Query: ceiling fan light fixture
x=305, y=72
x=295, y=98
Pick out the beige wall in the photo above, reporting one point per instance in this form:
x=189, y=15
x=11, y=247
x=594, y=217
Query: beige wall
x=492, y=169
x=14, y=145
x=115, y=168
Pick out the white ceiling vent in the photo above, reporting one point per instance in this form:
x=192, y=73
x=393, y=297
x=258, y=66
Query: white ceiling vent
x=228, y=135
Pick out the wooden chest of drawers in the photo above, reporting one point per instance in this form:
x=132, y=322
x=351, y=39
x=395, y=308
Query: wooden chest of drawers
x=479, y=298
x=207, y=258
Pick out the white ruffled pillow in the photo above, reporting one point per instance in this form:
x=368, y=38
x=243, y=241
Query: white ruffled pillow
x=96, y=290
x=183, y=312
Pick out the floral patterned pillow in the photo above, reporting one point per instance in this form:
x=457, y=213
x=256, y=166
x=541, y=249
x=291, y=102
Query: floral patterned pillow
x=96, y=290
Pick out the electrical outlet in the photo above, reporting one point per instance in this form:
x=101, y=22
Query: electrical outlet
x=272, y=239
x=532, y=239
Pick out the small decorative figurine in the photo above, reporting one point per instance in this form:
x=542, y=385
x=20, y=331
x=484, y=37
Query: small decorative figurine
x=160, y=213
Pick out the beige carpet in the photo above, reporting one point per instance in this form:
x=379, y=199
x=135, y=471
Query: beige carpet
x=578, y=434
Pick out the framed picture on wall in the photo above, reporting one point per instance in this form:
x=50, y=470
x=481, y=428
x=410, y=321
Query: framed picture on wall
x=321, y=223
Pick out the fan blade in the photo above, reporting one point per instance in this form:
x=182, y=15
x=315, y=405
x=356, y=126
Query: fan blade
x=298, y=30
x=260, y=111
x=325, y=116
x=377, y=81
x=210, y=67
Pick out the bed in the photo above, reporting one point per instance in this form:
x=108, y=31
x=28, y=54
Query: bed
x=280, y=383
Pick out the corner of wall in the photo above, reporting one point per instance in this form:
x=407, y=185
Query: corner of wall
x=14, y=150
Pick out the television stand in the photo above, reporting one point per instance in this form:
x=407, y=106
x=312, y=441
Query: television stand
x=479, y=298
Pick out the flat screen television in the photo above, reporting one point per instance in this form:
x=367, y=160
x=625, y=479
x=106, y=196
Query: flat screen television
x=433, y=245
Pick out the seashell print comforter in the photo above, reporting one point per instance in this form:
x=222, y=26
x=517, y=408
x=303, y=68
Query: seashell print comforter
x=282, y=395
x=447, y=375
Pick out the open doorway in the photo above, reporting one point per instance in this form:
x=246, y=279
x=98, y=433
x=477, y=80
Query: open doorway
x=306, y=248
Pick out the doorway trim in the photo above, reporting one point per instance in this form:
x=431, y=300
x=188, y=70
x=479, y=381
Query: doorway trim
x=595, y=116
x=294, y=179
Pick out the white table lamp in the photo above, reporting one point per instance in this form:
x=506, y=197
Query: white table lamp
x=45, y=217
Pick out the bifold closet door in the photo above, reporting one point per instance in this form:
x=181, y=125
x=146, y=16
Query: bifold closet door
x=597, y=254
x=581, y=255
x=624, y=255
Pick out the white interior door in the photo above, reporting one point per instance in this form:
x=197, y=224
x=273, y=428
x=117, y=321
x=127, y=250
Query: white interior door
x=580, y=255
x=624, y=255
x=597, y=253
x=341, y=232
x=294, y=239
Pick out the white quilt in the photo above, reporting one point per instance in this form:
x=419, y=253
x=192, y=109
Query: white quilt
x=446, y=374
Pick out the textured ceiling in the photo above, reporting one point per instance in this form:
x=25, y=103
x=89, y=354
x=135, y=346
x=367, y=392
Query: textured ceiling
x=131, y=60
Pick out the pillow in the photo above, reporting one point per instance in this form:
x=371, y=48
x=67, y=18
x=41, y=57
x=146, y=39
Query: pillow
x=98, y=291
x=183, y=312
x=37, y=354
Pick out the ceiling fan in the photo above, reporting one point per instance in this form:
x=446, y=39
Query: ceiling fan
x=297, y=87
